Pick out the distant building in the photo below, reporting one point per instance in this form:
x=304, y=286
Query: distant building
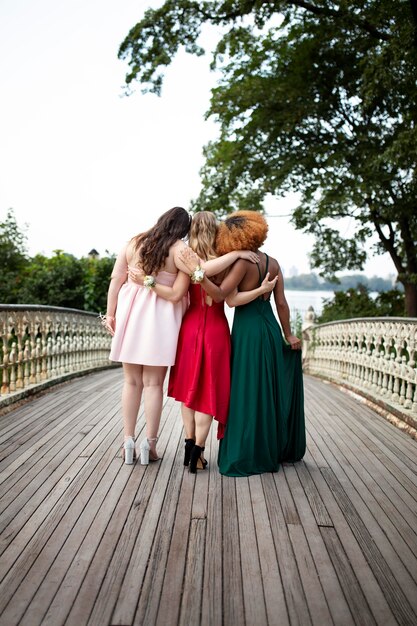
x=93, y=254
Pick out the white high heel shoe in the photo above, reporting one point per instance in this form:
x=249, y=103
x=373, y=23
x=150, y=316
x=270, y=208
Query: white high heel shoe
x=144, y=452
x=129, y=450
x=145, y=457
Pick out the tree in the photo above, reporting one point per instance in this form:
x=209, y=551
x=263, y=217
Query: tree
x=356, y=302
x=53, y=281
x=96, y=279
x=316, y=96
x=13, y=258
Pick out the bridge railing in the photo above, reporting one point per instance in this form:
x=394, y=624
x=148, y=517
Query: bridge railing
x=375, y=356
x=42, y=343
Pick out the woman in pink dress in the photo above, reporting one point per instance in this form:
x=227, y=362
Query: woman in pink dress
x=145, y=319
x=144, y=326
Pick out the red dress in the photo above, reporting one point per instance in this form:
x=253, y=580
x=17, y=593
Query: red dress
x=201, y=375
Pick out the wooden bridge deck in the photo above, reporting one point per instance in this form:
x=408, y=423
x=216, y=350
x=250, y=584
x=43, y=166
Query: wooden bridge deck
x=85, y=539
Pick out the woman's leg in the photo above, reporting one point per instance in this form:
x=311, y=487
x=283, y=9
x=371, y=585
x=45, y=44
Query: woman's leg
x=202, y=428
x=153, y=380
x=131, y=397
x=188, y=419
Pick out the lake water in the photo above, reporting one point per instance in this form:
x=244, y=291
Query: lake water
x=301, y=300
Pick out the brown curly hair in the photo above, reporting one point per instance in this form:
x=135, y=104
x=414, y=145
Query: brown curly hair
x=242, y=230
x=153, y=246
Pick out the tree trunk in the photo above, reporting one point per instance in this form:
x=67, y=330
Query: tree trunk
x=410, y=290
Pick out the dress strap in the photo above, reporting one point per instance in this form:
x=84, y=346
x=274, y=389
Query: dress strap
x=260, y=275
x=266, y=266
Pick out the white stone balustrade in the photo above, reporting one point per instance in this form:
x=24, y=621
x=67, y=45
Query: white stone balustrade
x=374, y=356
x=42, y=343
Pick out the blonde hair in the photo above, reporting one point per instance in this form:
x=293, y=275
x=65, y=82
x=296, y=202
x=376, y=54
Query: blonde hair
x=203, y=233
x=242, y=230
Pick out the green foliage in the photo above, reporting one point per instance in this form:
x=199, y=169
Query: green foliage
x=96, y=278
x=315, y=97
x=57, y=281
x=61, y=280
x=13, y=258
x=358, y=303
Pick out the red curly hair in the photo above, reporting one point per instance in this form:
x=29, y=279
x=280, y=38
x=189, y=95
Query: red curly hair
x=242, y=230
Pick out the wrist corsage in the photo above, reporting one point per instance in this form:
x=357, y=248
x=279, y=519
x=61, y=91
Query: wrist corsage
x=149, y=282
x=198, y=275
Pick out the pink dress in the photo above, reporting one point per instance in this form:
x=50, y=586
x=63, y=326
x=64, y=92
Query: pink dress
x=147, y=326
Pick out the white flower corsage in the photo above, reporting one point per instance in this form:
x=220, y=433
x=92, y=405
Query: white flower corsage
x=149, y=282
x=198, y=275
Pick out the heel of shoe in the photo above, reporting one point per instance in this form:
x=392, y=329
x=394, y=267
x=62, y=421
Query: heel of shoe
x=189, y=445
x=196, y=461
x=144, y=452
x=129, y=451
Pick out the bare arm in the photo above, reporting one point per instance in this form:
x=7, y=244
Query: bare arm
x=118, y=278
x=173, y=294
x=228, y=284
x=283, y=311
x=177, y=291
x=238, y=298
x=187, y=260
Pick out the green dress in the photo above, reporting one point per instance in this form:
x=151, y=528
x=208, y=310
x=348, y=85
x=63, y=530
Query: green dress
x=265, y=425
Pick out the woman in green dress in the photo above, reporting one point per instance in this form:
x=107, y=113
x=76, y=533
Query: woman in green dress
x=265, y=425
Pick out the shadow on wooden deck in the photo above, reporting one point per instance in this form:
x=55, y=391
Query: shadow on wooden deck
x=87, y=540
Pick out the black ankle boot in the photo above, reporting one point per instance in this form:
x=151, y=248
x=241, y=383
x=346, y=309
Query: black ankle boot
x=189, y=445
x=196, y=460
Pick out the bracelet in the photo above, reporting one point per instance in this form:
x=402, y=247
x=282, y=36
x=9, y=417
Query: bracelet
x=149, y=282
x=198, y=275
x=104, y=318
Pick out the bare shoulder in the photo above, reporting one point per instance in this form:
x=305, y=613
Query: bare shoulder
x=131, y=252
x=273, y=264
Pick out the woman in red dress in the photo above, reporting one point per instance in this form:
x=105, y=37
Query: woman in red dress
x=200, y=378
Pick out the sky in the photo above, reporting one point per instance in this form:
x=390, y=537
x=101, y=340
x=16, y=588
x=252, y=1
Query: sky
x=84, y=166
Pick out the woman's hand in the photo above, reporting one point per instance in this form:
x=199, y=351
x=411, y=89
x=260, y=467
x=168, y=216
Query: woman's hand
x=294, y=342
x=189, y=258
x=136, y=276
x=109, y=323
x=268, y=285
x=248, y=255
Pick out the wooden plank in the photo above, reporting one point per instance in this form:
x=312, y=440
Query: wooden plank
x=380, y=482
x=61, y=581
x=285, y=497
x=128, y=541
x=399, y=598
x=193, y=582
x=171, y=593
x=313, y=496
x=233, y=593
x=368, y=583
x=29, y=499
x=253, y=595
x=352, y=590
x=375, y=509
x=294, y=593
x=212, y=601
x=148, y=604
x=333, y=593
x=127, y=599
x=275, y=605
x=316, y=600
